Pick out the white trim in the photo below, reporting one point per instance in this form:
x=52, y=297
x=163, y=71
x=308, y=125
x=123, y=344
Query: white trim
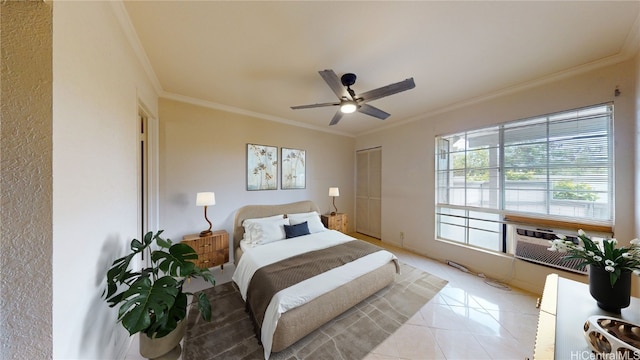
x=235, y=110
x=153, y=172
x=130, y=33
x=629, y=49
x=632, y=43
x=153, y=165
x=582, y=69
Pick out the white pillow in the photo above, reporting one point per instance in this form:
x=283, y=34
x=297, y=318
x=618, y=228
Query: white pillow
x=264, y=230
x=274, y=217
x=312, y=218
x=304, y=214
x=247, y=222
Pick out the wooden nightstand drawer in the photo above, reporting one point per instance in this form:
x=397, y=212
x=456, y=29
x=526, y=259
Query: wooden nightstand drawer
x=212, y=250
x=336, y=222
x=213, y=258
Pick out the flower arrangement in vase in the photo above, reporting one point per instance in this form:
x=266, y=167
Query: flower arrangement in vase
x=610, y=267
x=601, y=253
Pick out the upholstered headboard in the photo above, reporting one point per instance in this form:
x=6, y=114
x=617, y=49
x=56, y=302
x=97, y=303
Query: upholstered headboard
x=258, y=211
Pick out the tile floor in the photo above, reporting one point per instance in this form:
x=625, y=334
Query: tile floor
x=468, y=319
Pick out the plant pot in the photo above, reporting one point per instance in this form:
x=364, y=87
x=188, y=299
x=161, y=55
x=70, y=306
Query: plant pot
x=611, y=299
x=164, y=348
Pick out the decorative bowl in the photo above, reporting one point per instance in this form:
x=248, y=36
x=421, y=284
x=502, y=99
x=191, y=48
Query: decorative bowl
x=609, y=335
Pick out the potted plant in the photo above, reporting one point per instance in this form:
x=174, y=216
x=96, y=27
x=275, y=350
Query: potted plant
x=610, y=267
x=152, y=301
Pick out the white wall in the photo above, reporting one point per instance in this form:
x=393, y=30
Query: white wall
x=97, y=83
x=203, y=149
x=408, y=165
x=25, y=181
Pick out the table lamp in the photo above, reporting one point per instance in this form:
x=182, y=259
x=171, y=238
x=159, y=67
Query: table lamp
x=333, y=192
x=205, y=199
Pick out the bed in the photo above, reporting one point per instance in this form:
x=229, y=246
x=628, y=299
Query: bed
x=348, y=285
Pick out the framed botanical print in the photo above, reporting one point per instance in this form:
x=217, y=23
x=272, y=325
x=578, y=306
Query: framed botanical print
x=293, y=169
x=262, y=167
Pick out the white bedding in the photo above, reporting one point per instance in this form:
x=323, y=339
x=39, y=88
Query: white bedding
x=254, y=258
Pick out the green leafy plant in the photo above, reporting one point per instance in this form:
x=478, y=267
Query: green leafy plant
x=520, y=174
x=601, y=253
x=569, y=190
x=152, y=299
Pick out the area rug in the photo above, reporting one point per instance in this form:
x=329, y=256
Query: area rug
x=351, y=335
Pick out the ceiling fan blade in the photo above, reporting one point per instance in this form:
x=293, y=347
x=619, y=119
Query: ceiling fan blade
x=373, y=111
x=336, y=117
x=334, y=83
x=388, y=90
x=314, y=105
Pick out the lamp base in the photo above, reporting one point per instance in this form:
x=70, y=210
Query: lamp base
x=332, y=213
x=205, y=233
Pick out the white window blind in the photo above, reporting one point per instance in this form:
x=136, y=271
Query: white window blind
x=558, y=165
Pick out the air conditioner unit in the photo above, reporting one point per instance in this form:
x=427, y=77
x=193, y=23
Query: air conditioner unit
x=532, y=244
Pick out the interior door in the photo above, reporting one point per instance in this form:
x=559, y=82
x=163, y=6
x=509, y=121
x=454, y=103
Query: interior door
x=369, y=192
x=143, y=176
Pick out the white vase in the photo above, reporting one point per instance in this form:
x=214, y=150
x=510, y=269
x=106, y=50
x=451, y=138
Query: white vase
x=164, y=348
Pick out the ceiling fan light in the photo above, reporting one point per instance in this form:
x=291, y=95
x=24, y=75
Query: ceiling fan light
x=348, y=107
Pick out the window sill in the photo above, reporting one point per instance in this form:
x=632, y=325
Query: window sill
x=557, y=224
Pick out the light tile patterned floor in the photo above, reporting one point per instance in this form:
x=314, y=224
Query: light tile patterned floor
x=468, y=319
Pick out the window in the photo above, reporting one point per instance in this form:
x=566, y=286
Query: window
x=557, y=166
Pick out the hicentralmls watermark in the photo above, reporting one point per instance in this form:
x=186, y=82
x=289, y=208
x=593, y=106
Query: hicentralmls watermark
x=589, y=355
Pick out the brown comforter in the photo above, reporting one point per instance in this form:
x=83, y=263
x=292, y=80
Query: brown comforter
x=270, y=279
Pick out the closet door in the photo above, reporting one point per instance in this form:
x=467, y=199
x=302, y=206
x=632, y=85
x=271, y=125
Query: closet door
x=369, y=192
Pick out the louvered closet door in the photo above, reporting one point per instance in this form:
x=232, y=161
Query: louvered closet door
x=369, y=192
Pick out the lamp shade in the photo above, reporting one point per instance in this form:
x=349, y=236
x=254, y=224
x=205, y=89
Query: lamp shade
x=334, y=191
x=205, y=198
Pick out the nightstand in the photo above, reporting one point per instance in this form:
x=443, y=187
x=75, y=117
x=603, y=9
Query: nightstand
x=213, y=250
x=338, y=222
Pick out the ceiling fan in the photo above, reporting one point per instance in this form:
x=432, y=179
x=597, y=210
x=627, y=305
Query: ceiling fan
x=350, y=102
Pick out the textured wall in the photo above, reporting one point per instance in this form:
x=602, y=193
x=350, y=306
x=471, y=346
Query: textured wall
x=25, y=180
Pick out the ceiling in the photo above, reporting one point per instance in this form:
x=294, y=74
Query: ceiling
x=262, y=57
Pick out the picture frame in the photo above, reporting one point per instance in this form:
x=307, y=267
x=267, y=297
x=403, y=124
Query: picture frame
x=262, y=167
x=293, y=169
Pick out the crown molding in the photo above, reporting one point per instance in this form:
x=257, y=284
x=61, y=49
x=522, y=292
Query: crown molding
x=630, y=48
x=631, y=45
x=578, y=70
x=235, y=110
x=127, y=27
